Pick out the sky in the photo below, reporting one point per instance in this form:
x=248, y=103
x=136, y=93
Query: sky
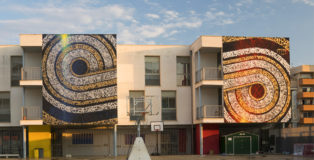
x=165, y=21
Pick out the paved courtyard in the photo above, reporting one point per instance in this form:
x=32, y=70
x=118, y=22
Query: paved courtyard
x=197, y=157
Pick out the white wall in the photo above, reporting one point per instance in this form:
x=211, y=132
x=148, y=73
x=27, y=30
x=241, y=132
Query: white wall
x=208, y=59
x=16, y=93
x=32, y=56
x=131, y=76
x=33, y=97
x=209, y=96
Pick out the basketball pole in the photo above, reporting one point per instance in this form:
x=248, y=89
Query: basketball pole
x=139, y=126
x=157, y=143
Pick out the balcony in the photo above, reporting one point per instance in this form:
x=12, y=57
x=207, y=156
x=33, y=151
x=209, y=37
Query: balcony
x=306, y=95
x=209, y=111
x=209, y=76
x=309, y=107
x=306, y=81
x=307, y=120
x=31, y=76
x=31, y=115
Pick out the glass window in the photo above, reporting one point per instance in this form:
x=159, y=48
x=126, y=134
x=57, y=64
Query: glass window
x=168, y=105
x=152, y=75
x=82, y=138
x=307, y=101
x=136, y=105
x=16, y=65
x=183, y=71
x=5, y=107
x=308, y=115
x=306, y=75
x=306, y=89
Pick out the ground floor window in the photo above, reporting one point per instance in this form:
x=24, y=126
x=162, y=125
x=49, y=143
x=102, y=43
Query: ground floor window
x=11, y=141
x=82, y=138
x=130, y=138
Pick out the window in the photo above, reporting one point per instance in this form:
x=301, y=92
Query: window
x=129, y=138
x=5, y=107
x=308, y=115
x=82, y=138
x=307, y=101
x=306, y=89
x=16, y=65
x=306, y=75
x=136, y=105
x=169, y=105
x=152, y=75
x=183, y=71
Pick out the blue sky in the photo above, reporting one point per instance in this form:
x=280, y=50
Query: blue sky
x=165, y=22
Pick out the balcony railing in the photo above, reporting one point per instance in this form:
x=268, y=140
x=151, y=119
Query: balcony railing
x=208, y=73
x=209, y=111
x=32, y=113
x=31, y=73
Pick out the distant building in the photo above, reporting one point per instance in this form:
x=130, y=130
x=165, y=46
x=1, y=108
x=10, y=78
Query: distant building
x=303, y=78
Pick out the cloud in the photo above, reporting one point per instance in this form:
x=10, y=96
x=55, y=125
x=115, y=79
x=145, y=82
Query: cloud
x=153, y=16
x=83, y=17
x=170, y=15
x=307, y=2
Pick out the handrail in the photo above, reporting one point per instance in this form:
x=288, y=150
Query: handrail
x=209, y=111
x=31, y=113
x=208, y=73
x=31, y=73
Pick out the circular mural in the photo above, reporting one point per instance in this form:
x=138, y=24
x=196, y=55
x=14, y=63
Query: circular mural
x=79, y=79
x=256, y=80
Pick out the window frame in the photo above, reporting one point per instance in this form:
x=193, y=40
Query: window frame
x=176, y=109
x=9, y=107
x=11, y=67
x=145, y=74
x=189, y=75
x=82, y=141
x=130, y=103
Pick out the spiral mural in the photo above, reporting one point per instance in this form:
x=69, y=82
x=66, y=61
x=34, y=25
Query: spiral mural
x=79, y=79
x=256, y=79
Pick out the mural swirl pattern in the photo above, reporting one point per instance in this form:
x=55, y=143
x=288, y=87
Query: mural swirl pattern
x=79, y=79
x=256, y=79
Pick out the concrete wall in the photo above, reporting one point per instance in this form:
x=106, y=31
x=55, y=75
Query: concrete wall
x=131, y=76
x=208, y=59
x=32, y=56
x=209, y=96
x=16, y=92
x=33, y=96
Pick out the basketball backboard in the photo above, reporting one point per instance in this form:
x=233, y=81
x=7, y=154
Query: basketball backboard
x=157, y=126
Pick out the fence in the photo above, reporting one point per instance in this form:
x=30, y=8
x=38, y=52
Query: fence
x=208, y=73
x=32, y=113
x=209, y=111
x=31, y=73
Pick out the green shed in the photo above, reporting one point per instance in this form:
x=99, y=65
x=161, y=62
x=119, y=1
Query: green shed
x=239, y=143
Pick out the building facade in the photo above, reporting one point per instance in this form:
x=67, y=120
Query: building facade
x=303, y=78
x=81, y=95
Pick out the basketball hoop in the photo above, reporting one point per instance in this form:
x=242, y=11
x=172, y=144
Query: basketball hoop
x=143, y=113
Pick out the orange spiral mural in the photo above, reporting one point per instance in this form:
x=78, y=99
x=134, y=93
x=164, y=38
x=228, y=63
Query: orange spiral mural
x=256, y=79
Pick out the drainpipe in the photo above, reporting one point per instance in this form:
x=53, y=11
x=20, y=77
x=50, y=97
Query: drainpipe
x=115, y=152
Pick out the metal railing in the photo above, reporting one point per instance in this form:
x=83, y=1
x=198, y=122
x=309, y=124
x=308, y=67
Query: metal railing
x=32, y=113
x=208, y=73
x=209, y=111
x=31, y=73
